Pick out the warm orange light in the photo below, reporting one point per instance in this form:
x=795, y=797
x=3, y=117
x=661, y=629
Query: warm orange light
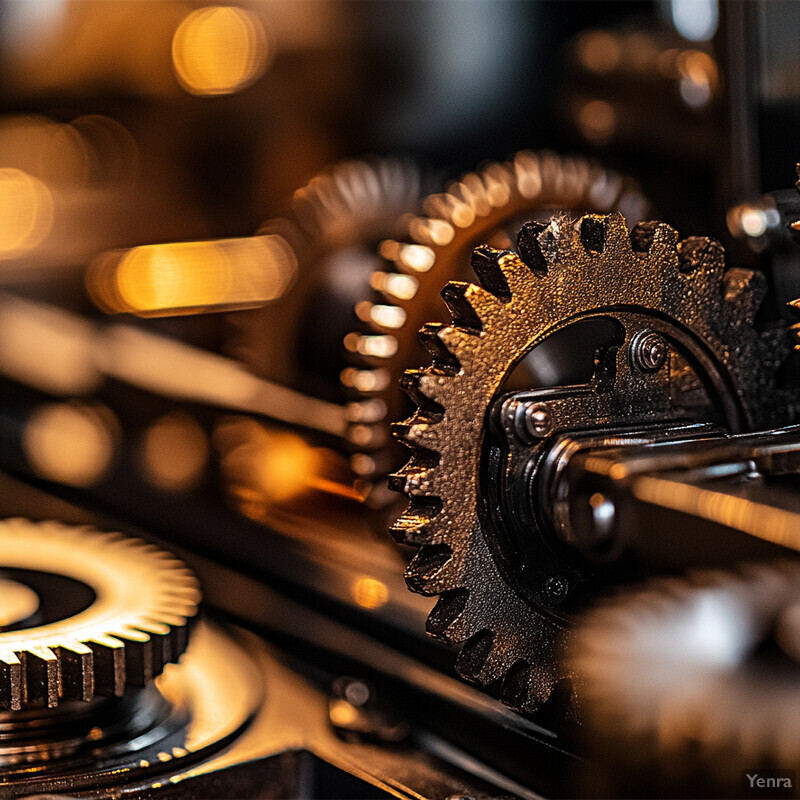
x=599, y=51
x=274, y=465
x=174, y=452
x=342, y=714
x=193, y=277
x=192, y=274
x=597, y=121
x=370, y=593
x=219, y=50
x=19, y=602
x=47, y=347
x=285, y=466
x=26, y=212
x=70, y=443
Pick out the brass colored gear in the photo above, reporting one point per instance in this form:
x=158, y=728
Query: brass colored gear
x=486, y=206
x=141, y=601
x=566, y=272
x=329, y=230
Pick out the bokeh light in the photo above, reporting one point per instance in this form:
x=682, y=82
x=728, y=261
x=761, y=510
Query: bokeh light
x=70, y=443
x=26, y=212
x=174, y=452
x=192, y=277
x=219, y=50
x=46, y=347
x=370, y=593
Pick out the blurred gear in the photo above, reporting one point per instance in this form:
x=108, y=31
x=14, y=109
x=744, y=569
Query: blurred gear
x=111, y=612
x=332, y=225
x=690, y=680
x=487, y=206
x=673, y=340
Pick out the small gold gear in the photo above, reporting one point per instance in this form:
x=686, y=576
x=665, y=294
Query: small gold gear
x=144, y=600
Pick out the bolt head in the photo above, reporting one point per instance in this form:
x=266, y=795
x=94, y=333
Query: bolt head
x=538, y=420
x=649, y=351
x=557, y=587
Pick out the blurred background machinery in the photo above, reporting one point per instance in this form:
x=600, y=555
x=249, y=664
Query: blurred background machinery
x=221, y=226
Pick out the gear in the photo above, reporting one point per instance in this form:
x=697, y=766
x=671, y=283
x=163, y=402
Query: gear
x=682, y=681
x=484, y=206
x=138, y=602
x=331, y=225
x=507, y=589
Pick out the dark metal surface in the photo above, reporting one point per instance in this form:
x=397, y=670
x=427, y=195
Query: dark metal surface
x=719, y=489
x=486, y=206
x=646, y=281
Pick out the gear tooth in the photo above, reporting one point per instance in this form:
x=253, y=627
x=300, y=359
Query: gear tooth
x=445, y=619
x=558, y=239
x=423, y=386
x=474, y=662
x=456, y=296
x=160, y=644
x=414, y=525
x=10, y=681
x=617, y=229
x=414, y=478
x=40, y=676
x=747, y=289
x=417, y=432
x=643, y=235
x=457, y=341
x=426, y=567
x=139, y=656
x=530, y=250
x=109, y=665
x=601, y=232
x=179, y=639
x=443, y=357
x=794, y=333
x=486, y=265
x=517, y=690
x=700, y=252
x=77, y=673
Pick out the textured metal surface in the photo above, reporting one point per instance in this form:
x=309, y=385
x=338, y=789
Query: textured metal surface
x=571, y=270
x=481, y=207
x=136, y=623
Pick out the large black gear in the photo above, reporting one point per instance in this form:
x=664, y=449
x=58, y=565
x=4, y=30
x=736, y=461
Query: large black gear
x=485, y=206
x=565, y=272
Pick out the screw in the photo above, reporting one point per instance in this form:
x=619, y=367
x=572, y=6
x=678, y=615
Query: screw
x=357, y=693
x=538, y=420
x=648, y=351
x=556, y=586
